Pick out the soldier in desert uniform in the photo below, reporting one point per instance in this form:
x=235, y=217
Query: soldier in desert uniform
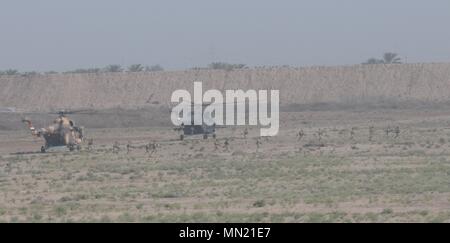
x=300, y=135
x=387, y=131
x=128, y=147
x=116, y=147
x=245, y=133
x=153, y=148
x=371, y=133
x=258, y=144
x=397, y=131
x=216, y=145
x=226, y=145
x=352, y=133
x=90, y=143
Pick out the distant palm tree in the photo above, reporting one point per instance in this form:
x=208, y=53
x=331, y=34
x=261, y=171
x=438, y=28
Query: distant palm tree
x=11, y=72
x=136, y=68
x=372, y=61
x=51, y=72
x=391, y=58
x=388, y=58
x=113, y=68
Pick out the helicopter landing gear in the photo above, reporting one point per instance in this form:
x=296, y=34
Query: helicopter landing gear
x=71, y=148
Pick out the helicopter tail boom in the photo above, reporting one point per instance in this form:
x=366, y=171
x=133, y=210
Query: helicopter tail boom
x=31, y=127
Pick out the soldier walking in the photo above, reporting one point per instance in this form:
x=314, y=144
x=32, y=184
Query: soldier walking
x=216, y=145
x=320, y=134
x=226, y=145
x=153, y=148
x=147, y=148
x=371, y=133
x=128, y=147
x=397, y=131
x=90, y=144
x=387, y=131
x=245, y=133
x=258, y=144
x=352, y=133
x=300, y=135
x=116, y=147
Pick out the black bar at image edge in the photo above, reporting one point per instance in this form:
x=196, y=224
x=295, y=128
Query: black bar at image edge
x=228, y=232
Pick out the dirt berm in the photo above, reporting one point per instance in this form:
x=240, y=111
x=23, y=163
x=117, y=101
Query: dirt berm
x=315, y=85
x=142, y=99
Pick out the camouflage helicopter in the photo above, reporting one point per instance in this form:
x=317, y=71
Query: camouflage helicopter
x=62, y=133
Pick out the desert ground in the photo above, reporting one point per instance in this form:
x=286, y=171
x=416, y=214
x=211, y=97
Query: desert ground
x=338, y=171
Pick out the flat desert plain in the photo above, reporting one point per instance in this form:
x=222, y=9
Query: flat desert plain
x=348, y=167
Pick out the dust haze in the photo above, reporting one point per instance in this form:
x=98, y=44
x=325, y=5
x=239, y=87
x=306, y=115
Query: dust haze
x=364, y=112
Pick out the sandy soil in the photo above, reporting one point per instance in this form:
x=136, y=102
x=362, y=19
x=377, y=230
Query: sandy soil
x=335, y=176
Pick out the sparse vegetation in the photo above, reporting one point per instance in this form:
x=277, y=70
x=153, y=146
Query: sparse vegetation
x=154, y=68
x=51, y=72
x=259, y=204
x=10, y=72
x=31, y=73
x=385, y=180
x=85, y=70
x=225, y=66
x=372, y=61
x=340, y=165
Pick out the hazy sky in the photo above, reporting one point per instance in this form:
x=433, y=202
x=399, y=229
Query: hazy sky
x=62, y=35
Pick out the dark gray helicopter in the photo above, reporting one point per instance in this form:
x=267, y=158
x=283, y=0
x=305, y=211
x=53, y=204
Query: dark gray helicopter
x=190, y=129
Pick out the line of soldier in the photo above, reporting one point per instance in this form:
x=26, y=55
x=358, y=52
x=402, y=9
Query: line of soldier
x=321, y=132
x=150, y=148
